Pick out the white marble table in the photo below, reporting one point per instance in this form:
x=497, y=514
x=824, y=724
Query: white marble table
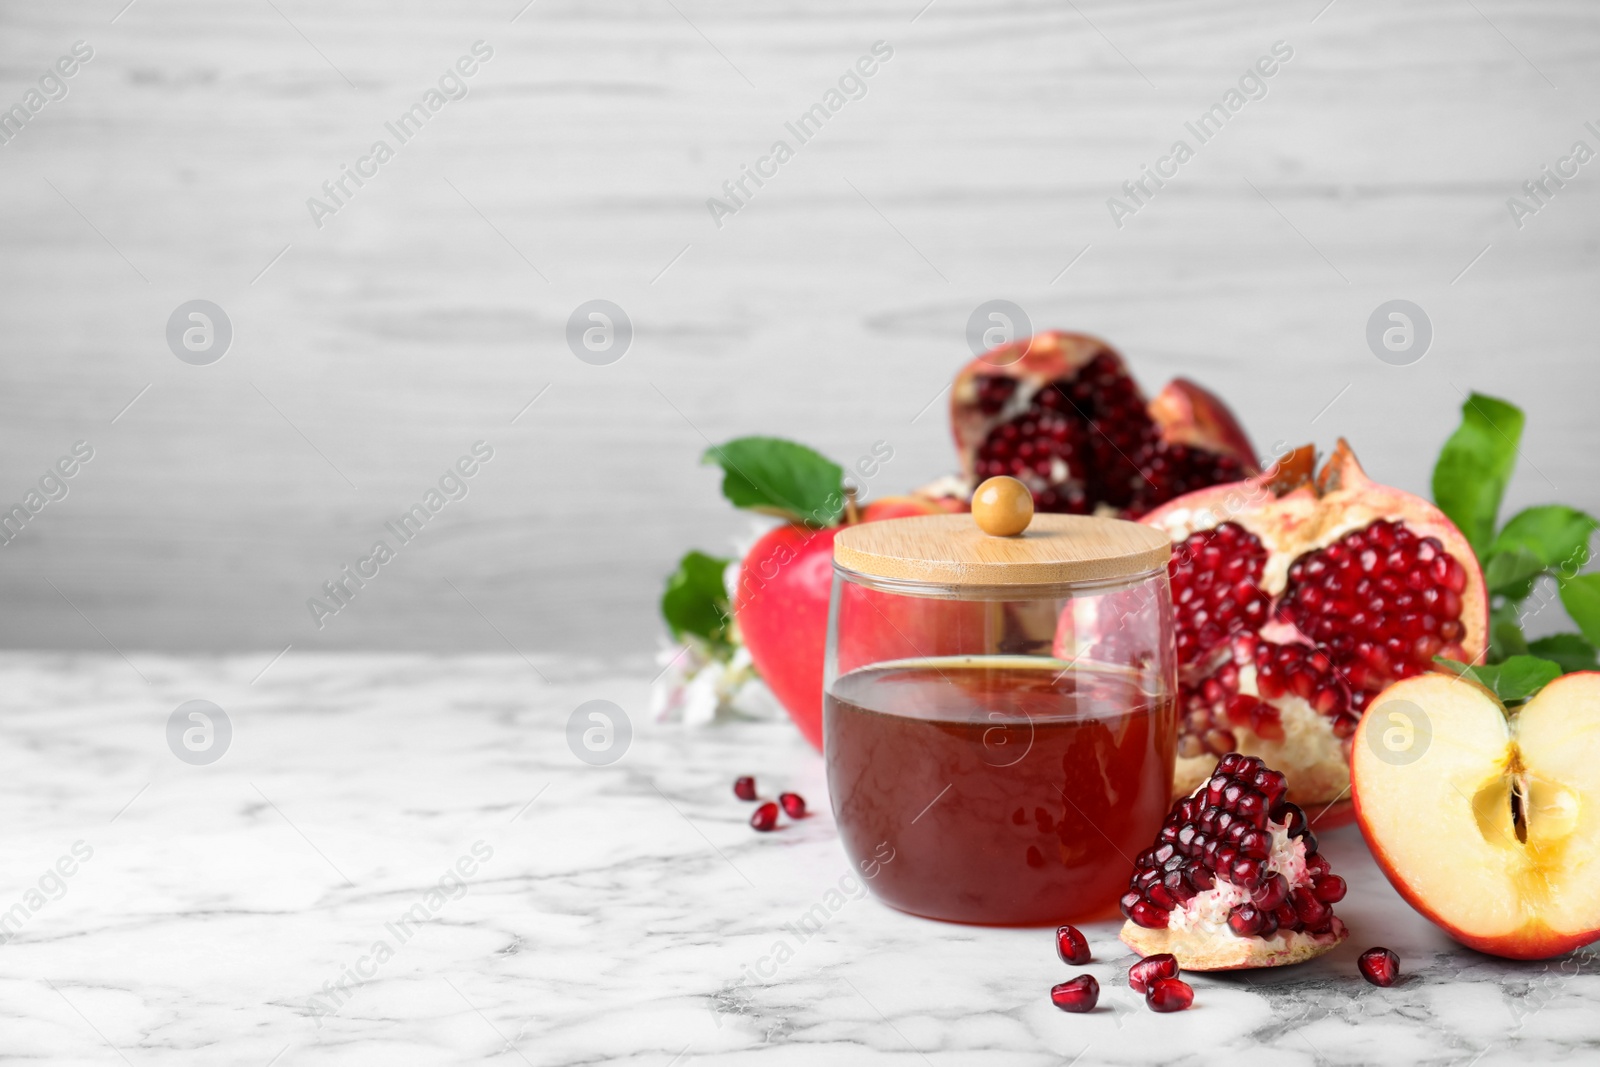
x=615, y=913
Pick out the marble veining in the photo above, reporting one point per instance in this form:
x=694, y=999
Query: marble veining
x=400, y=861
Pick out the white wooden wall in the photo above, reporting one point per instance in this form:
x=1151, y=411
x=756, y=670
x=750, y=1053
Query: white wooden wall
x=432, y=307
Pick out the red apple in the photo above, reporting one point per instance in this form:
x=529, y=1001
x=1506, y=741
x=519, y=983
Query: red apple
x=1487, y=821
x=782, y=610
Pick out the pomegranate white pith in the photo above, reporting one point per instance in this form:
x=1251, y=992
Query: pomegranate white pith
x=1059, y=412
x=1234, y=879
x=1297, y=599
x=1488, y=823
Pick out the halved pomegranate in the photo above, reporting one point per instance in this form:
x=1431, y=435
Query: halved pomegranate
x=1060, y=412
x=1234, y=878
x=1299, y=598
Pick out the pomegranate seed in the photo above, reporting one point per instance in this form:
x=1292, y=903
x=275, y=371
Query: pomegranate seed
x=1148, y=915
x=794, y=805
x=1271, y=893
x=1080, y=994
x=1169, y=994
x=765, y=817
x=1379, y=966
x=1329, y=890
x=744, y=788
x=1312, y=911
x=1245, y=920
x=1152, y=969
x=1072, y=946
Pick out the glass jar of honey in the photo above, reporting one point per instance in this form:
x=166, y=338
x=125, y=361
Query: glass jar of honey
x=999, y=714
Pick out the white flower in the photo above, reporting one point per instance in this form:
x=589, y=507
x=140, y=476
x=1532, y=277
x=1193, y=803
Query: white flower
x=697, y=688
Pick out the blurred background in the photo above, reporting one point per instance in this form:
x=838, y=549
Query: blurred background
x=374, y=341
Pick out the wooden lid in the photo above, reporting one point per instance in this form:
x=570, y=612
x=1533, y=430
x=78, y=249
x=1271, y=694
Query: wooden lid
x=952, y=550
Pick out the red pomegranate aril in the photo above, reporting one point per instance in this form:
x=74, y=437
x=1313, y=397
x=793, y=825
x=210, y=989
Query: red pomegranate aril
x=1310, y=910
x=1379, y=966
x=1272, y=892
x=1152, y=969
x=765, y=817
x=1169, y=994
x=1267, y=722
x=1072, y=946
x=1329, y=890
x=1148, y=915
x=1078, y=995
x=744, y=788
x=1245, y=920
x=794, y=805
x=1255, y=844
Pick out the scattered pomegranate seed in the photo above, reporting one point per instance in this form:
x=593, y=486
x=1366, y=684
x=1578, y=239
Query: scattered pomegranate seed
x=794, y=805
x=1072, y=945
x=1080, y=994
x=1152, y=969
x=744, y=788
x=766, y=817
x=1379, y=966
x=1169, y=994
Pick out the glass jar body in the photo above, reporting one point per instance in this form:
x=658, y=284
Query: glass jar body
x=999, y=755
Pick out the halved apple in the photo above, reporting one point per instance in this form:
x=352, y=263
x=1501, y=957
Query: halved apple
x=1487, y=821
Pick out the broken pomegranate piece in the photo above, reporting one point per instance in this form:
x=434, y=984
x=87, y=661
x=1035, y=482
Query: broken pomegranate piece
x=1233, y=880
x=1297, y=599
x=1059, y=412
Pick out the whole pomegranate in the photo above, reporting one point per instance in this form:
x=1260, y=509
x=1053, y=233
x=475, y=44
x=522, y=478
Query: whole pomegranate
x=1060, y=412
x=1297, y=599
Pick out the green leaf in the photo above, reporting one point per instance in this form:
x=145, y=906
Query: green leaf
x=1581, y=597
x=1569, y=650
x=780, y=478
x=1511, y=574
x=1474, y=466
x=1505, y=633
x=696, y=600
x=1555, y=535
x=1515, y=680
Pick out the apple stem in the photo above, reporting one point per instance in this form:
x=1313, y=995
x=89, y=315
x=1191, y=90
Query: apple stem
x=851, y=514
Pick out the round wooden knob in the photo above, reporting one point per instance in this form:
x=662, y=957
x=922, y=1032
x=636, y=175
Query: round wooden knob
x=1002, y=506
